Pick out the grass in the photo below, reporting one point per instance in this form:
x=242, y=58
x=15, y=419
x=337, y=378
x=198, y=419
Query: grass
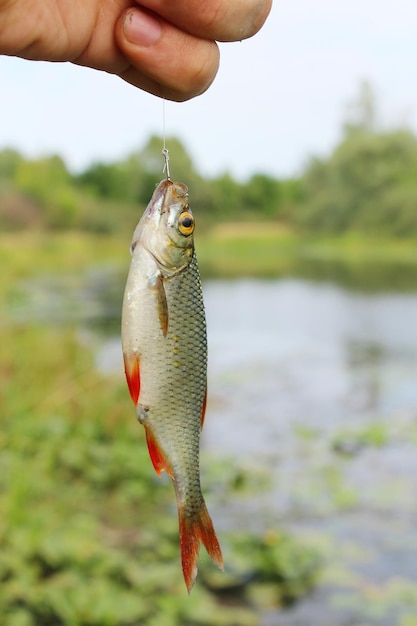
x=229, y=250
x=88, y=535
x=269, y=251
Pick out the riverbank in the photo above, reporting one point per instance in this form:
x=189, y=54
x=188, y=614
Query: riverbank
x=230, y=250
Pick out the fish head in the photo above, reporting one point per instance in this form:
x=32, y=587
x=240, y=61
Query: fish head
x=166, y=229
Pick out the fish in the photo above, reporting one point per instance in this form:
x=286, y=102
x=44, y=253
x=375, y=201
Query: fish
x=164, y=343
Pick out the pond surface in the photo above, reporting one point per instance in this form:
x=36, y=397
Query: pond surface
x=312, y=388
x=289, y=352
x=318, y=387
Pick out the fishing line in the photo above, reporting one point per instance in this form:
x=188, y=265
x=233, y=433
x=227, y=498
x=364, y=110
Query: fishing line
x=165, y=150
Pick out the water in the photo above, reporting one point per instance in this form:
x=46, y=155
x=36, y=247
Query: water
x=314, y=387
x=290, y=352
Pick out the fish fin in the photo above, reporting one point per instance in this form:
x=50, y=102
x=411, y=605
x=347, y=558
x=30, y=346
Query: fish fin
x=203, y=410
x=194, y=530
x=156, y=283
x=132, y=371
x=157, y=456
x=162, y=306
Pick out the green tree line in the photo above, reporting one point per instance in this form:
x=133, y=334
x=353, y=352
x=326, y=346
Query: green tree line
x=367, y=184
x=107, y=196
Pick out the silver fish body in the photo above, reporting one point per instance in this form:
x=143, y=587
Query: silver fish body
x=165, y=353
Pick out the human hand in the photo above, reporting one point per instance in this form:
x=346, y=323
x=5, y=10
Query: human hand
x=165, y=47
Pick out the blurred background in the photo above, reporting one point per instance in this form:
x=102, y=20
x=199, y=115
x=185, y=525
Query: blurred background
x=301, y=162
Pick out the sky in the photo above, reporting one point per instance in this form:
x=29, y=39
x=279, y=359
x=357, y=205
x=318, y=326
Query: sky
x=279, y=98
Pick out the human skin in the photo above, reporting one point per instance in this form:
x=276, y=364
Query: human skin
x=165, y=47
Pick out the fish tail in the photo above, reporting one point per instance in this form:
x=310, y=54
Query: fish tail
x=195, y=529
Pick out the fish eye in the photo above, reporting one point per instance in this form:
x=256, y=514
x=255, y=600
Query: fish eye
x=186, y=223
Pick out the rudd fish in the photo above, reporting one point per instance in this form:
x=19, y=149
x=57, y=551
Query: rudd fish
x=165, y=354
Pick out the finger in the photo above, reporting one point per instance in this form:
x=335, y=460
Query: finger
x=164, y=60
x=219, y=20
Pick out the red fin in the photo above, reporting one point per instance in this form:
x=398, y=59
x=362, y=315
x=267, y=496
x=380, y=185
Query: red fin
x=156, y=454
x=203, y=410
x=194, y=530
x=131, y=361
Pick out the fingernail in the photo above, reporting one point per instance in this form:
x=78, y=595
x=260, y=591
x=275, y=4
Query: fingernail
x=141, y=29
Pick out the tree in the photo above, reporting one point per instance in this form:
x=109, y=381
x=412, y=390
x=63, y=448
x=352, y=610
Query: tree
x=262, y=194
x=47, y=182
x=9, y=162
x=351, y=187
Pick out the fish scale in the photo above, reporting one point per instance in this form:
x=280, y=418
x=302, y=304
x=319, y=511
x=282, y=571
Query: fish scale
x=165, y=353
x=183, y=377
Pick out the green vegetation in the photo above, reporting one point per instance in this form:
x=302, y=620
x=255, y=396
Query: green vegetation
x=227, y=251
x=88, y=535
x=351, y=442
x=270, y=251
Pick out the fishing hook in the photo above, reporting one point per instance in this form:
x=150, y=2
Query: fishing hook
x=165, y=152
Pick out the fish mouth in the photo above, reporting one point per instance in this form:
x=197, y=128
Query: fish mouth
x=166, y=193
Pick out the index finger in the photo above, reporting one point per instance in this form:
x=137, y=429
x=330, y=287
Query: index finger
x=218, y=20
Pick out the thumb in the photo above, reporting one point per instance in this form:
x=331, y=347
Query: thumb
x=163, y=59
